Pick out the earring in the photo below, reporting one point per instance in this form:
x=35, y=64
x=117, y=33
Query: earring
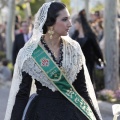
x=51, y=32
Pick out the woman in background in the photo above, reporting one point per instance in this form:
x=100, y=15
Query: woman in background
x=88, y=41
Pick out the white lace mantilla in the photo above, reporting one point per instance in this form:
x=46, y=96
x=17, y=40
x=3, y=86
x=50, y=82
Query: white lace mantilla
x=71, y=65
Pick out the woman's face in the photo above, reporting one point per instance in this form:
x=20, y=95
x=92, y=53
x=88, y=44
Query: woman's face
x=77, y=25
x=63, y=23
x=97, y=27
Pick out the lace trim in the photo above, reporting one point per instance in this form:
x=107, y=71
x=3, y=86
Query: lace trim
x=72, y=59
x=58, y=61
x=71, y=65
x=32, y=69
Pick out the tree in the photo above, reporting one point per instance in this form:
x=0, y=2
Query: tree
x=52, y=0
x=10, y=26
x=10, y=29
x=3, y=3
x=48, y=0
x=67, y=3
x=87, y=8
x=98, y=7
x=111, y=45
x=35, y=5
x=118, y=7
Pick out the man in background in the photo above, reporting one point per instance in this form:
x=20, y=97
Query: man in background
x=20, y=39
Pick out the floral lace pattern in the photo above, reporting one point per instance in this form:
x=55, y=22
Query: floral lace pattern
x=59, y=60
x=71, y=65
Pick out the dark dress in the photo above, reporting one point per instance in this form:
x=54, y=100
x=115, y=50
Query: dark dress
x=17, y=45
x=50, y=105
x=91, y=51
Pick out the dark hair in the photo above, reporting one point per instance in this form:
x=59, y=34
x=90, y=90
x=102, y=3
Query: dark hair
x=85, y=25
x=52, y=14
x=97, y=13
x=82, y=12
x=16, y=19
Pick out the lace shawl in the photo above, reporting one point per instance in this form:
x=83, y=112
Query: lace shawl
x=71, y=65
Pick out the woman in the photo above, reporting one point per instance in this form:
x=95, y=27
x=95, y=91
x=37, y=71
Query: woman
x=57, y=65
x=88, y=42
x=99, y=30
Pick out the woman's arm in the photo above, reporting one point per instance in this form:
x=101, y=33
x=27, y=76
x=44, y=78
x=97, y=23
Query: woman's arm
x=22, y=97
x=81, y=88
x=97, y=50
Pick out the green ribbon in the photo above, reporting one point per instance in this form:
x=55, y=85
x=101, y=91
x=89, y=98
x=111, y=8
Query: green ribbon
x=58, y=79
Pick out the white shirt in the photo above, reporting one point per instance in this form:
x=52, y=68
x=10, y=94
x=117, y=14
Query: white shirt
x=26, y=37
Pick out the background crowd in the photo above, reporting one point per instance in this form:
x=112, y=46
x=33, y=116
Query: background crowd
x=88, y=32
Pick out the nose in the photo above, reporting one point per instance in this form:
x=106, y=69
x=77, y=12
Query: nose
x=69, y=23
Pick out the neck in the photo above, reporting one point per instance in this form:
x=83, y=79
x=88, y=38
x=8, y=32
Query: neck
x=81, y=32
x=100, y=30
x=55, y=41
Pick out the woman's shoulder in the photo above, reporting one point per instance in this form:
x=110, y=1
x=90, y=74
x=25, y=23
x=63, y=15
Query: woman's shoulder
x=71, y=42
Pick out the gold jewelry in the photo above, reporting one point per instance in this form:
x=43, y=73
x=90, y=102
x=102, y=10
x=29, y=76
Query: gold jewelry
x=51, y=32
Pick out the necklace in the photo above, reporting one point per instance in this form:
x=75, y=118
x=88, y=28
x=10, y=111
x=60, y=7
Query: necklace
x=53, y=51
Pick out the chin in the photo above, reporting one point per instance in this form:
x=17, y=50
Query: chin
x=65, y=34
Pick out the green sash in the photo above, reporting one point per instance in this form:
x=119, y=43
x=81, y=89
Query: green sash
x=58, y=79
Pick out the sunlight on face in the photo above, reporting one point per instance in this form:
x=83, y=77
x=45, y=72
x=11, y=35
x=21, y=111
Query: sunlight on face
x=63, y=23
x=77, y=25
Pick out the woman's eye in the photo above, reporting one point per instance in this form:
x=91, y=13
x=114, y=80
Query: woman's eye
x=65, y=19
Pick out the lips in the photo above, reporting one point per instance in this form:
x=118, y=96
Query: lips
x=67, y=30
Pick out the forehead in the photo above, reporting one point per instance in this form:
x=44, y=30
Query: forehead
x=64, y=13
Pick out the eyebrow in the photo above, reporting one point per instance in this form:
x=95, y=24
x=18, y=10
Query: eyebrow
x=67, y=17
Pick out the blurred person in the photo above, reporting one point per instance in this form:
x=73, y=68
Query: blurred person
x=5, y=72
x=30, y=23
x=97, y=16
x=29, y=20
x=17, y=25
x=72, y=28
x=89, y=44
x=99, y=30
x=17, y=29
x=1, y=43
x=2, y=37
x=56, y=63
x=3, y=27
x=20, y=40
x=83, y=12
x=31, y=26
